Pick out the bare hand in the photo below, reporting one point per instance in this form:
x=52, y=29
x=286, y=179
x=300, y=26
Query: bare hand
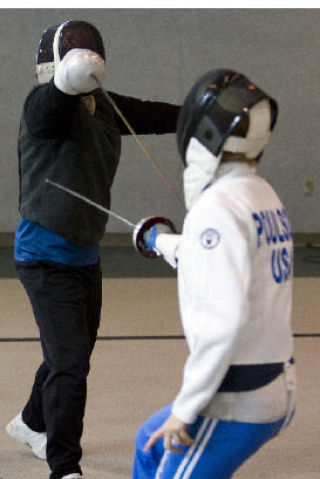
x=172, y=430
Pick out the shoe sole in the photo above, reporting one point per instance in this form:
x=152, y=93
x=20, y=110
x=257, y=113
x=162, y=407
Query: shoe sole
x=13, y=433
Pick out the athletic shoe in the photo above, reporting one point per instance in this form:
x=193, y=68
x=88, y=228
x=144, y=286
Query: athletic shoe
x=36, y=440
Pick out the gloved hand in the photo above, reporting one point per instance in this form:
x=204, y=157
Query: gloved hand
x=156, y=236
x=150, y=236
x=74, y=73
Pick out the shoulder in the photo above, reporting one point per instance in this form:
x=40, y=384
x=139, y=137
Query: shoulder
x=32, y=93
x=36, y=89
x=226, y=202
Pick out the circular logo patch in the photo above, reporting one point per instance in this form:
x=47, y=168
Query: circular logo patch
x=210, y=238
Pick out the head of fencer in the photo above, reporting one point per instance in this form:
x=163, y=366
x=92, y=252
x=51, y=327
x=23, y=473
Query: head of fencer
x=226, y=112
x=57, y=40
x=225, y=117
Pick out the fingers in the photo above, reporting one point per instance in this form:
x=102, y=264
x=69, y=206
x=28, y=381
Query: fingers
x=171, y=441
x=174, y=441
x=185, y=439
x=153, y=439
x=171, y=444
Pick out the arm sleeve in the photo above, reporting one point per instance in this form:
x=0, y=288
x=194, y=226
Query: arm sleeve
x=49, y=112
x=168, y=246
x=215, y=272
x=146, y=117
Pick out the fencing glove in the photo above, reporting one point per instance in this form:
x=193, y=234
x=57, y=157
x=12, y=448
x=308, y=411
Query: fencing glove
x=74, y=73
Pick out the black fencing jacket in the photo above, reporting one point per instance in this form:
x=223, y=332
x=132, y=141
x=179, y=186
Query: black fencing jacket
x=60, y=139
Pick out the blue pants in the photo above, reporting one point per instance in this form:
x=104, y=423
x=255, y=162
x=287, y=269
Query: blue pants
x=219, y=450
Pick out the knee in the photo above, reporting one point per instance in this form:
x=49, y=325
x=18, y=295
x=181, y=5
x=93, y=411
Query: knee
x=75, y=363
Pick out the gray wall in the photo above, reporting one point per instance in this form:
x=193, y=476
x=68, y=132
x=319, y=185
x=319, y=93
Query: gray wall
x=159, y=54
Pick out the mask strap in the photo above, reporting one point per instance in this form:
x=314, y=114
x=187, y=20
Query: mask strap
x=56, y=55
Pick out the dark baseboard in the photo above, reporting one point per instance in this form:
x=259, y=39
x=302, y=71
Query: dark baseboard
x=306, y=239
x=6, y=240
x=113, y=240
x=124, y=240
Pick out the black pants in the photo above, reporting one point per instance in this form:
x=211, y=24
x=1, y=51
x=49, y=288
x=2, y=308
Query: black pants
x=66, y=303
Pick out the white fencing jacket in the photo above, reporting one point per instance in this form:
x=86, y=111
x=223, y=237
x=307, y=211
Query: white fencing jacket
x=235, y=295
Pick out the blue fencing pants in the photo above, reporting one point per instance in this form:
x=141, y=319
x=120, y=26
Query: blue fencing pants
x=219, y=450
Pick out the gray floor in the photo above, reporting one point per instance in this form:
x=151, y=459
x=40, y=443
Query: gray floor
x=136, y=368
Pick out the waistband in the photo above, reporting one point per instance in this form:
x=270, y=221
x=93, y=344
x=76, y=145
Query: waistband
x=247, y=377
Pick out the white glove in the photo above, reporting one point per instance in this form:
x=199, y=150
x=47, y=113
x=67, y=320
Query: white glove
x=168, y=247
x=74, y=73
x=150, y=236
x=161, y=239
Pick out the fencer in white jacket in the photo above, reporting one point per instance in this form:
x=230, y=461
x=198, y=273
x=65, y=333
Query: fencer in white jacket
x=235, y=268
